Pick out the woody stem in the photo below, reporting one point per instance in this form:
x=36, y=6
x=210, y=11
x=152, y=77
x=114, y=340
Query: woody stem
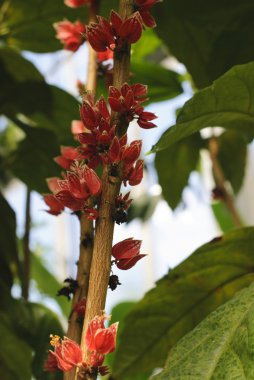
x=74, y=331
x=101, y=262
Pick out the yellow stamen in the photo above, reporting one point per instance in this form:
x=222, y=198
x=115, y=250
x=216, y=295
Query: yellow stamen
x=55, y=340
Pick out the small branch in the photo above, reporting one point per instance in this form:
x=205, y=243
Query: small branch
x=86, y=226
x=26, y=249
x=220, y=181
x=101, y=262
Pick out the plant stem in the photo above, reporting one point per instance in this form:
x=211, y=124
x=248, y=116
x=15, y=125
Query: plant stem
x=26, y=249
x=86, y=226
x=220, y=182
x=101, y=262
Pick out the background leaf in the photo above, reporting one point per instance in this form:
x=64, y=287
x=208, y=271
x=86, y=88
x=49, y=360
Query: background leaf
x=227, y=103
x=208, y=37
x=220, y=347
x=174, y=166
x=232, y=155
x=47, y=283
x=181, y=299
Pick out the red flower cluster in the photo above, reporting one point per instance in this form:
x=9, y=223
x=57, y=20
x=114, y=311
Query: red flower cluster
x=114, y=34
x=127, y=102
x=73, y=191
x=127, y=253
x=67, y=354
x=144, y=6
x=76, y=3
x=70, y=34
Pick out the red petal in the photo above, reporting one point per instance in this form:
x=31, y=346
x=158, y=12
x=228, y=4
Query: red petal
x=92, y=181
x=126, y=264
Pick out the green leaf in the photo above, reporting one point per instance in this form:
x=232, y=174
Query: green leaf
x=143, y=207
x=15, y=354
x=220, y=347
x=208, y=37
x=227, y=103
x=162, y=83
x=233, y=145
x=223, y=216
x=181, y=299
x=174, y=166
x=24, y=92
x=28, y=25
x=47, y=283
x=147, y=47
x=32, y=161
x=45, y=323
x=8, y=246
x=31, y=324
x=17, y=67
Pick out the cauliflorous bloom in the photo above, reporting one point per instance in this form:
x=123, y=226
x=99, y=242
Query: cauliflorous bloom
x=127, y=102
x=68, y=353
x=68, y=155
x=114, y=34
x=76, y=3
x=144, y=6
x=100, y=339
x=127, y=253
x=70, y=34
x=79, y=184
x=80, y=307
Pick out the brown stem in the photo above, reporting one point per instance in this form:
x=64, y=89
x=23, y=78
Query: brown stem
x=26, y=249
x=86, y=227
x=101, y=263
x=220, y=182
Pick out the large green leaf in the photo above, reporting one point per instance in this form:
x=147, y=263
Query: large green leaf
x=8, y=246
x=23, y=91
x=32, y=161
x=174, y=166
x=232, y=152
x=227, y=103
x=28, y=25
x=15, y=354
x=31, y=324
x=208, y=37
x=47, y=283
x=180, y=300
x=220, y=347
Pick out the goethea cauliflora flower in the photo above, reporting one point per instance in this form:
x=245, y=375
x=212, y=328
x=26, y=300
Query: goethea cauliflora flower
x=127, y=253
x=67, y=353
x=101, y=339
x=76, y=3
x=70, y=34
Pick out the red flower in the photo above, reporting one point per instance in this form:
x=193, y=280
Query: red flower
x=55, y=207
x=70, y=34
x=114, y=34
x=144, y=6
x=101, y=339
x=68, y=155
x=50, y=364
x=68, y=354
x=127, y=253
x=76, y=3
x=79, y=184
x=77, y=127
x=105, y=55
x=134, y=173
x=127, y=102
